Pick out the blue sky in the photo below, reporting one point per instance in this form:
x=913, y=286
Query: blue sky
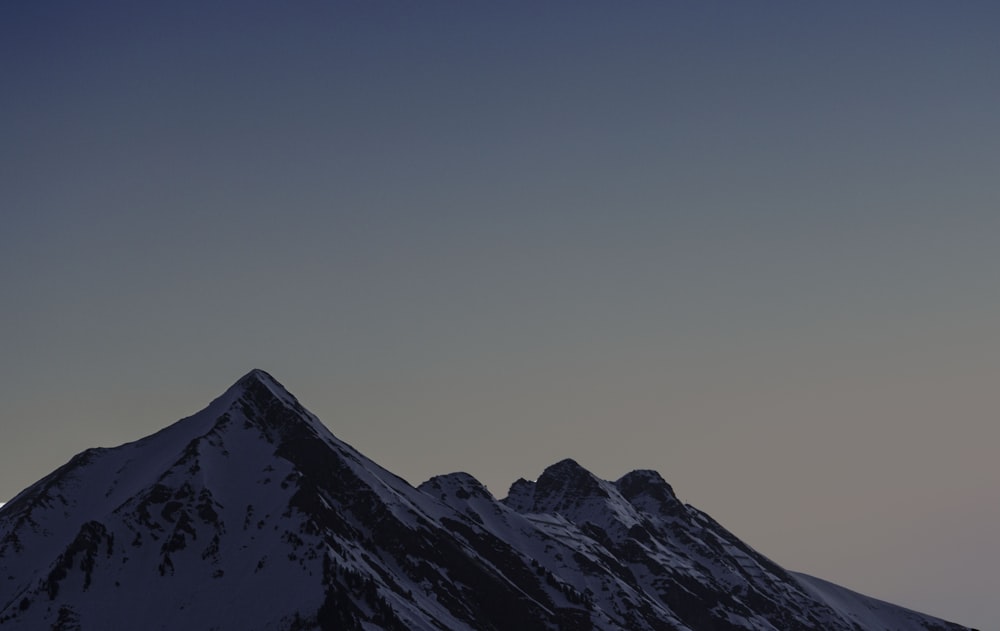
x=750, y=246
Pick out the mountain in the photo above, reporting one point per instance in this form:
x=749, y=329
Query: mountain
x=251, y=515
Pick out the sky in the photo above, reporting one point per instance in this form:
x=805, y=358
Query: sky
x=753, y=246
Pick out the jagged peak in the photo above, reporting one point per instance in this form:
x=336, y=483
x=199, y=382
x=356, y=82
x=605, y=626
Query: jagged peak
x=264, y=401
x=564, y=465
x=521, y=496
x=261, y=384
x=521, y=485
x=460, y=484
x=642, y=486
x=458, y=478
x=258, y=378
x=642, y=479
x=567, y=471
x=564, y=484
x=258, y=375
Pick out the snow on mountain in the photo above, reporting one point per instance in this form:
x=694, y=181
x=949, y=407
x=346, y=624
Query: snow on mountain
x=251, y=515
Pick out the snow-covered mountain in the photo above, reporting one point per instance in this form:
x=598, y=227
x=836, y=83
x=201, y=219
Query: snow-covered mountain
x=252, y=515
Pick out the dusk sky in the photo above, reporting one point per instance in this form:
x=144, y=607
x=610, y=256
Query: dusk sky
x=753, y=246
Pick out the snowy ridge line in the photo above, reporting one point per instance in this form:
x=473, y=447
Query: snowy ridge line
x=252, y=515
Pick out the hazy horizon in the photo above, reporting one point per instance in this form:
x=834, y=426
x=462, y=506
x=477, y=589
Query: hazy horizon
x=754, y=248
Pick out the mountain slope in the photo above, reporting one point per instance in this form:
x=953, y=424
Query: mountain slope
x=252, y=515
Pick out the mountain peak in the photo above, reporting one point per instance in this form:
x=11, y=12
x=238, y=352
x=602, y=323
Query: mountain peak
x=566, y=465
x=264, y=402
x=647, y=490
x=253, y=500
x=460, y=484
x=521, y=496
x=259, y=376
x=568, y=473
x=642, y=480
x=562, y=485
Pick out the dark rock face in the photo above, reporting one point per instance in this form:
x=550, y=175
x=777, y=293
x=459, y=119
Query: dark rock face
x=650, y=491
x=565, y=485
x=251, y=515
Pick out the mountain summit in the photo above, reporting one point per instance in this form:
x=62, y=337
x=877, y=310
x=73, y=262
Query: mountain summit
x=251, y=515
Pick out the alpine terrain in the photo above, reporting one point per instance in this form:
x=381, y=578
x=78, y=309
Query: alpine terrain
x=251, y=515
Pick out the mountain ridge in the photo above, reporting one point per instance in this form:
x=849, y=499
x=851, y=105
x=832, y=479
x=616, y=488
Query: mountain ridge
x=251, y=514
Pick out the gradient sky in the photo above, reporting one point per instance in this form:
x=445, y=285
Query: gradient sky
x=753, y=246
